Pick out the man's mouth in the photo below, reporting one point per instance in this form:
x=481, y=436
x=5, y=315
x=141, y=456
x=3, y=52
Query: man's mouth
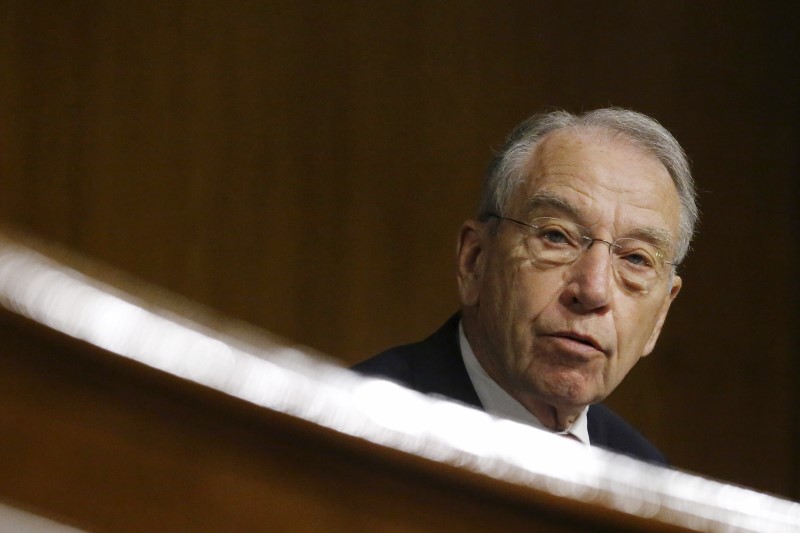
x=586, y=340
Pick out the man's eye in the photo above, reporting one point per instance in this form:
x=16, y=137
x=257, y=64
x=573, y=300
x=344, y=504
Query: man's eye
x=639, y=260
x=554, y=235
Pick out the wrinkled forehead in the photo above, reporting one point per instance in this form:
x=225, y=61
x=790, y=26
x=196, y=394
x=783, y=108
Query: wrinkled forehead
x=580, y=151
x=589, y=141
x=597, y=175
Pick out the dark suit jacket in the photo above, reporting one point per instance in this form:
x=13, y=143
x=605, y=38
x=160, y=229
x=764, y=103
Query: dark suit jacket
x=434, y=366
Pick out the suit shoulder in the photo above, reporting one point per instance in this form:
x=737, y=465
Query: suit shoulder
x=609, y=430
x=432, y=366
x=396, y=364
x=402, y=362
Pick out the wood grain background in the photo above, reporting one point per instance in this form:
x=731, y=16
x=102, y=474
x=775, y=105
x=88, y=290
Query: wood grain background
x=305, y=166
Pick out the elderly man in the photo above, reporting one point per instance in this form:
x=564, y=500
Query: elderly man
x=565, y=276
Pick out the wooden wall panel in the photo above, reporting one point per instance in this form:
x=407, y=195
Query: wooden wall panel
x=305, y=166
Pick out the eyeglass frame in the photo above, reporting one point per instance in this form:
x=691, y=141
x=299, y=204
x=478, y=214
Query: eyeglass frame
x=586, y=237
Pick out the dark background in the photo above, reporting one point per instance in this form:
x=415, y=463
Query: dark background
x=305, y=166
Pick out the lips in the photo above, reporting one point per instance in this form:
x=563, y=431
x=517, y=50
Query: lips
x=586, y=340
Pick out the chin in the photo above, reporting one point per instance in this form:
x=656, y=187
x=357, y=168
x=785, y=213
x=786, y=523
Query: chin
x=570, y=392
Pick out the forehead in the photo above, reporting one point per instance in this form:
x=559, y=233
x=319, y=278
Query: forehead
x=605, y=178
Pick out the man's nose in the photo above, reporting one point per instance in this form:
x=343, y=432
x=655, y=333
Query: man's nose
x=591, y=276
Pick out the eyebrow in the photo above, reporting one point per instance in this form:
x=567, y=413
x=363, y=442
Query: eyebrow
x=543, y=201
x=658, y=237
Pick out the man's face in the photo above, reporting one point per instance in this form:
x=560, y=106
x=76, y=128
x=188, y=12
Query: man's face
x=568, y=334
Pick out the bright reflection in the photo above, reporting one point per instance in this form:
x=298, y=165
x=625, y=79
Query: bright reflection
x=288, y=380
x=17, y=520
x=388, y=405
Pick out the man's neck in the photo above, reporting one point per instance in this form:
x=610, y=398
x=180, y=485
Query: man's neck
x=552, y=417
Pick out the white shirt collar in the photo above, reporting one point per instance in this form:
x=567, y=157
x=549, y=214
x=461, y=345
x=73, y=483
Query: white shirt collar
x=498, y=402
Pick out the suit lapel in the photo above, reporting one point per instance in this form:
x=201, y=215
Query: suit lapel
x=440, y=369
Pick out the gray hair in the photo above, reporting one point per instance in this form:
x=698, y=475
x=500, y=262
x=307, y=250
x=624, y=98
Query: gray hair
x=507, y=169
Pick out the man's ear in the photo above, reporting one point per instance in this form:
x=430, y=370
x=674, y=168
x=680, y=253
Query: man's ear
x=470, y=258
x=662, y=315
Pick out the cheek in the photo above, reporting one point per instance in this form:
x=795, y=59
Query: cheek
x=635, y=324
x=537, y=291
x=522, y=296
x=521, y=293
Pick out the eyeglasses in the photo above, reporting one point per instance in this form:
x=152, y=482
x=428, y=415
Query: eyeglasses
x=555, y=241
